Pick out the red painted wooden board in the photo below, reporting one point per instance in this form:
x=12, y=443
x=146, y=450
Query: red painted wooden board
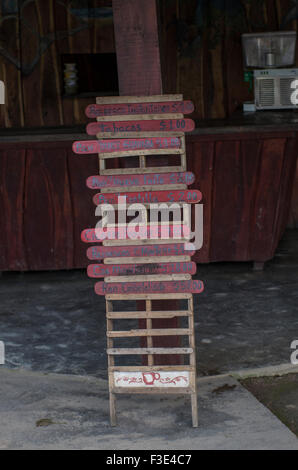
x=149, y=287
x=190, y=196
x=102, y=270
x=156, y=125
x=167, y=107
x=92, y=235
x=173, y=249
x=150, y=179
x=122, y=145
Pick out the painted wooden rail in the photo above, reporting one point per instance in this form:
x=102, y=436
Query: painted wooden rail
x=150, y=179
x=151, y=261
x=102, y=270
x=133, y=251
x=106, y=148
x=145, y=197
x=156, y=125
x=115, y=109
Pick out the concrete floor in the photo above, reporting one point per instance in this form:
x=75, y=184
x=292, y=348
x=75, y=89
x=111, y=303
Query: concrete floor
x=50, y=411
x=53, y=321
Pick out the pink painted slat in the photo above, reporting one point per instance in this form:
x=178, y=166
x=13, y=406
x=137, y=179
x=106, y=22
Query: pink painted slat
x=167, y=107
x=122, y=145
x=156, y=125
x=190, y=196
x=92, y=235
x=132, y=251
x=150, y=179
x=149, y=287
x=102, y=270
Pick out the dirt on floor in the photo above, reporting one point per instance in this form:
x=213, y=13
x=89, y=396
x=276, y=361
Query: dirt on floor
x=279, y=394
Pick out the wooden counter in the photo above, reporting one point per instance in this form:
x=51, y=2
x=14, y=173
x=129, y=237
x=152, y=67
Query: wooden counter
x=244, y=166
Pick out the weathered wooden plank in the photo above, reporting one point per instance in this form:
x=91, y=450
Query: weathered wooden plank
x=29, y=47
x=138, y=171
x=148, y=277
x=12, y=189
x=165, y=125
x=150, y=368
x=148, y=314
x=137, y=47
x=125, y=145
x=149, y=332
x=132, y=189
x=115, y=109
x=101, y=252
x=137, y=351
x=138, y=99
x=137, y=134
x=150, y=287
x=140, y=117
x=48, y=228
x=201, y=161
x=148, y=260
x=137, y=153
x=267, y=199
x=145, y=197
x=128, y=180
x=157, y=241
x=102, y=270
x=129, y=232
x=159, y=297
x=153, y=390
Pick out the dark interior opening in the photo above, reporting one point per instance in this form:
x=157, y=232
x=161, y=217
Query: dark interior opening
x=97, y=73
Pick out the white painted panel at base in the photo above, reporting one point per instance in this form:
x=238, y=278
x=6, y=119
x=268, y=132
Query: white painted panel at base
x=157, y=379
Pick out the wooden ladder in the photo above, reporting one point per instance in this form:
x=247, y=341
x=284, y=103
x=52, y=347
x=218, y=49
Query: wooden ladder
x=165, y=273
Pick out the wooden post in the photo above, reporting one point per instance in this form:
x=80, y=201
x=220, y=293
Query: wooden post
x=139, y=73
x=137, y=47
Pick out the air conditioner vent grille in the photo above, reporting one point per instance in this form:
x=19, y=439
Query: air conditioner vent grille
x=266, y=92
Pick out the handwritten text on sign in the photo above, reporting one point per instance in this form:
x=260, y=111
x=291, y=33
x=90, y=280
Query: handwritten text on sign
x=149, y=287
x=133, y=251
x=103, y=270
x=146, y=197
x=167, y=125
x=122, y=145
x=150, y=179
x=96, y=110
x=131, y=232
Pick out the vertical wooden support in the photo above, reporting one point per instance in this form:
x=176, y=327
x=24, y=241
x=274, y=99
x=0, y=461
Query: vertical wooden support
x=111, y=364
x=137, y=47
x=139, y=73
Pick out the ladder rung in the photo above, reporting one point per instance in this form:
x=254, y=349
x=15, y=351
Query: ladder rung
x=132, y=351
x=156, y=314
x=151, y=368
x=149, y=332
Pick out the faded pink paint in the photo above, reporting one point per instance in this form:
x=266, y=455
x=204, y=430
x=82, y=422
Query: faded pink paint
x=145, y=197
x=156, y=125
x=149, y=287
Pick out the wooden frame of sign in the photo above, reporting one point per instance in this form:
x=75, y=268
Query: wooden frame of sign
x=143, y=269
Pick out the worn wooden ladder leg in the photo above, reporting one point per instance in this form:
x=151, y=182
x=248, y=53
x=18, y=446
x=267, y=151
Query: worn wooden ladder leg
x=113, y=419
x=149, y=327
x=111, y=362
x=194, y=400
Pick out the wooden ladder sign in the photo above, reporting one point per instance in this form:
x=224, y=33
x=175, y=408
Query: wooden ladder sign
x=152, y=262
